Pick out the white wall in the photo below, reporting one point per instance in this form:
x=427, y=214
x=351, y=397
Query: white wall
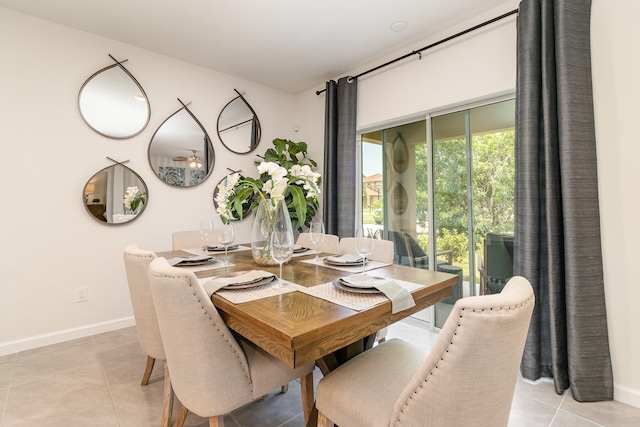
x=484, y=64
x=51, y=245
x=615, y=41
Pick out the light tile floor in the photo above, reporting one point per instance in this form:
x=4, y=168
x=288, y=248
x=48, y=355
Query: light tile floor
x=95, y=381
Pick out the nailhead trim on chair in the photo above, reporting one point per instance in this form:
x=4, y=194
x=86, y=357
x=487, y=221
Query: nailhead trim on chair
x=451, y=343
x=217, y=328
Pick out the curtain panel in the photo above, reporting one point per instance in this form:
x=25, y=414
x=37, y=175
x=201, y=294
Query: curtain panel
x=340, y=157
x=557, y=222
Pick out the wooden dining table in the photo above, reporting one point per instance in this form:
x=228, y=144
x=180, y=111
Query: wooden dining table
x=298, y=328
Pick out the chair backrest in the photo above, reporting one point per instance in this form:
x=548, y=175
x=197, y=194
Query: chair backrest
x=329, y=244
x=188, y=240
x=136, y=265
x=382, y=249
x=498, y=260
x=401, y=256
x=209, y=370
x=470, y=374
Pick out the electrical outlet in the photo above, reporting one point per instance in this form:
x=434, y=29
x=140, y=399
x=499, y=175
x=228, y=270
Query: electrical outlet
x=81, y=294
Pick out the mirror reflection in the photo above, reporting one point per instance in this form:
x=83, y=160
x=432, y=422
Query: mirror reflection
x=115, y=195
x=238, y=126
x=113, y=103
x=180, y=152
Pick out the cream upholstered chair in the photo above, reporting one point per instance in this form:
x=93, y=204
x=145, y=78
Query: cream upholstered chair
x=136, y=264
x=329, y=244
x=188, y=240
x=382, y=249
x=213, y=372
x=467, y=379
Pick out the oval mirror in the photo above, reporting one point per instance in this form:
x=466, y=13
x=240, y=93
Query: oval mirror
x=113, y=103
x=115, y=195
x=238, y=126
x=180, y=151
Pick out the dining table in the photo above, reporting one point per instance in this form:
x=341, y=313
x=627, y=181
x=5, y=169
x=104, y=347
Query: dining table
x=307, y=319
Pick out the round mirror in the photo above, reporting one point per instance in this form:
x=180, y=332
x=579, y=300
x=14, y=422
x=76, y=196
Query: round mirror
x=180, y=151
x=113, y=103
x=115, y=195
x=238, y=126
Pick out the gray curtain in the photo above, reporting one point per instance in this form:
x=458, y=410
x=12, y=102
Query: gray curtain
x=557, y=223
x=339, y=178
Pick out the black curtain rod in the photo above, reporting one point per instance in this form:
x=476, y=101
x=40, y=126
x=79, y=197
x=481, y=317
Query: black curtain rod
x=419, y=51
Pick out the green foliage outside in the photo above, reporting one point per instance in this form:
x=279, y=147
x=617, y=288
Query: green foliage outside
x=493, y=166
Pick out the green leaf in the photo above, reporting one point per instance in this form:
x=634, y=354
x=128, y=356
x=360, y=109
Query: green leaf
x=299, y=203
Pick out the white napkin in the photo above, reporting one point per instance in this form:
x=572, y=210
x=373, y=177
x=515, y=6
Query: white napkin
x=217, y=283
x=401, y=299
x=176, y=261
x=345, y=259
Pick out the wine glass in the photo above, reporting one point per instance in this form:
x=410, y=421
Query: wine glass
x=363, y=246
x=281, y=241
x=316, y=234
x=226, y=236
x=206, y=231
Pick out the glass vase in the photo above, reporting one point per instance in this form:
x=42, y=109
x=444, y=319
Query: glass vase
x=261, y=234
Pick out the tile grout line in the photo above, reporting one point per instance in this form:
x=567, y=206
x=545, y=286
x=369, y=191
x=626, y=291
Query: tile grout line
x=106, y=381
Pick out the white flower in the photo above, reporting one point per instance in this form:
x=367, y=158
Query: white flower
x=275, y=171
x=133, y=197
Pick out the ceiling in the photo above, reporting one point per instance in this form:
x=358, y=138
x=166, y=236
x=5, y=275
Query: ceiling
x=291, y=45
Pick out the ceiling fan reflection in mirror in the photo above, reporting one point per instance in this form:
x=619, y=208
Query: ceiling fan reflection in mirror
x=195, y=162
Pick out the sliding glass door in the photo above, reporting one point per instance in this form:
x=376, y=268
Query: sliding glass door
x=437, y=186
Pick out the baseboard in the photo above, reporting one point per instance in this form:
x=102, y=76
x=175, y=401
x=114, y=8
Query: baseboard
x=627, y=395
x=16, y=346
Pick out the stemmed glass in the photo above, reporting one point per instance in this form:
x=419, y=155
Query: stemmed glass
x=281, y=242
x=226, y=236
x=206, y=231
x=316, y=234
x=364, y=246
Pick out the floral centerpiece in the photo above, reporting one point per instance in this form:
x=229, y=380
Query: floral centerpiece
x=133, y=198
x=285, y=174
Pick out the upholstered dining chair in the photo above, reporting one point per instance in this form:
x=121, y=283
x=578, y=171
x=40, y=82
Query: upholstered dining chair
x=136, y=264
x=468, y=377
x=213, y=371
x=329, y=244
x=382, y=249
x=189, y=239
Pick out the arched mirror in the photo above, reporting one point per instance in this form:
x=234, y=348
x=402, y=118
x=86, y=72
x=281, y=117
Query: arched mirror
x=238, y=126
x=115, y=195
x=113, y=103
x=180, y=151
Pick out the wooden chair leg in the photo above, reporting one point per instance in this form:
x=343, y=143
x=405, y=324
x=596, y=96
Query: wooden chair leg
x=324, y=421
x=216, y=421
x=284, y=388
x=147, y=372
x=167, y=400
x=182, y=414
x=308, y=402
